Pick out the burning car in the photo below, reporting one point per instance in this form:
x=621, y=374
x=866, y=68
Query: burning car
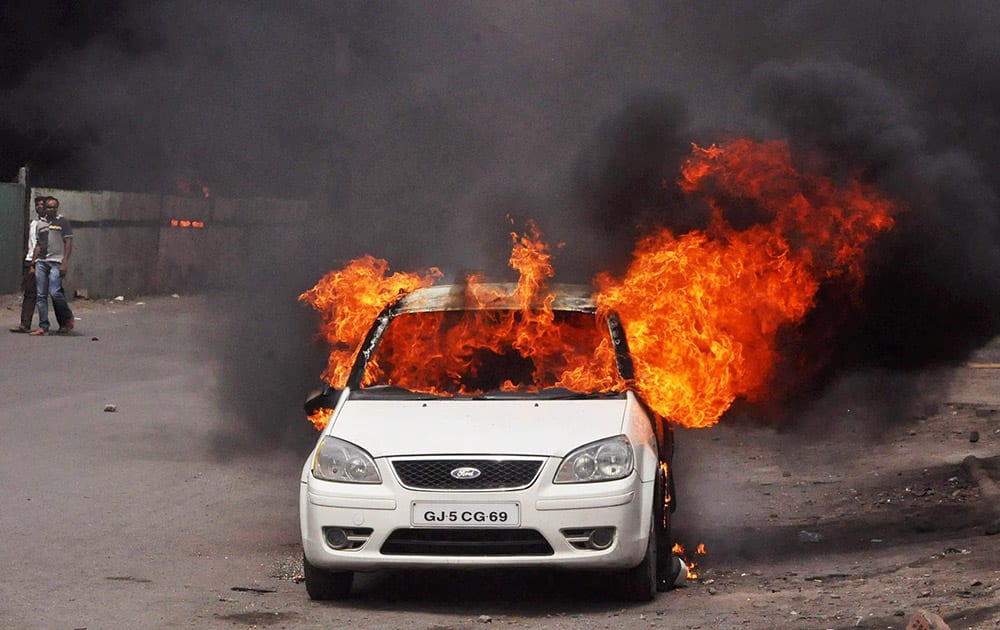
x=489, y=428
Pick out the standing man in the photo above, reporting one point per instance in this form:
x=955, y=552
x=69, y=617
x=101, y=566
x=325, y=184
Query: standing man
x=54, y=245
x=28, y=283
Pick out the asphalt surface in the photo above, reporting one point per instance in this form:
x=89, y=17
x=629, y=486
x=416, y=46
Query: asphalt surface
x=118, y=509
x=129, y=518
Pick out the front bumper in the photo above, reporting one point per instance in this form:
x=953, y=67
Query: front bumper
x=557, y=512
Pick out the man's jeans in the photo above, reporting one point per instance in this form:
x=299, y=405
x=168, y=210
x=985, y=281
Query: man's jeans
x=49, y=283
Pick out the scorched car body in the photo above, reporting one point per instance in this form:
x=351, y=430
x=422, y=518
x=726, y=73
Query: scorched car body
x=550, y=478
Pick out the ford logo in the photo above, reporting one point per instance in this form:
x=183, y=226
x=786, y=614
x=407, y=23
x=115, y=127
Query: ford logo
x=466, y=472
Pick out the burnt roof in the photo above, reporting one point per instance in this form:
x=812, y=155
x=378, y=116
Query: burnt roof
x=494, y=296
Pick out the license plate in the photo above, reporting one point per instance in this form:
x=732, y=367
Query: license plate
x=426, y=514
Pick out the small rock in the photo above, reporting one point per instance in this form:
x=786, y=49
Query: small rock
x=926, y=620
x=120, y=298
x=811, y=537
x=110, y=408
x=973, y=436
x=711, y=590
x=924, y=594
x=484, y=619
x=174, y=295
x=94, y=339
x=83, y=294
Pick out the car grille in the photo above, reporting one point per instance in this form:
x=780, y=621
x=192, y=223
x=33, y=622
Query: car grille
x=495, y=474
x=466, y=542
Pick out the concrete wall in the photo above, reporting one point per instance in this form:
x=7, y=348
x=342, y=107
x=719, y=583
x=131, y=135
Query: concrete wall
x=12, y=236
x=134, y=244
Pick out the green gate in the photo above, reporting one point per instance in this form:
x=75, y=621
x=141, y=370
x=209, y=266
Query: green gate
x=12, y=236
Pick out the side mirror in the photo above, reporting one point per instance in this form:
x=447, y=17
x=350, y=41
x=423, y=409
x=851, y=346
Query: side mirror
x=320, y=398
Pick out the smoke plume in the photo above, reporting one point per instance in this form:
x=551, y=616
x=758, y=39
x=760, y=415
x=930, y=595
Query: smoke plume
x=416, y=128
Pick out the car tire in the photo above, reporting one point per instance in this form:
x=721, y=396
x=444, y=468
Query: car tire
x=325, y=585
x=639, y=584
x=668, y=565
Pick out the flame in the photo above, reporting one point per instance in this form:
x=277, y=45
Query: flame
x=349, y=300
x=703, y=310
x=320, y=417
x=464, y=352
x=469, y=352
x=186, y=223
x=667, y=497
x=678, y=550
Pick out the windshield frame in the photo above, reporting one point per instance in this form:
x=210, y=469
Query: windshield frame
x=411, y=303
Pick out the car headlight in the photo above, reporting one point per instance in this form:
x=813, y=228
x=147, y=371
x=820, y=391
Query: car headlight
x=603, y=460
x=337, y=460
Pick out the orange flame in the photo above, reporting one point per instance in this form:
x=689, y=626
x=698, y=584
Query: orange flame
x=186, y=223
x=349, y=300
x=678, y=550
x=465, y=353
x=702, y=311
x=449, y=353
x=320, y=417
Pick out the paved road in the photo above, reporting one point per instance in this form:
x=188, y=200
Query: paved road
x=138, y=519
x=130, y=518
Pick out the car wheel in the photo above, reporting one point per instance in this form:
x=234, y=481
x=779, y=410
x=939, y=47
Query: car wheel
x=639, y=584
x=326, y=585
x=668, y=566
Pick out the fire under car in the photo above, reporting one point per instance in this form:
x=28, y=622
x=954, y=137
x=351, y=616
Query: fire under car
x=485, y=430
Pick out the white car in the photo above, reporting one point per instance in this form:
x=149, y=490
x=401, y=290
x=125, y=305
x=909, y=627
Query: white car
x=502, y=470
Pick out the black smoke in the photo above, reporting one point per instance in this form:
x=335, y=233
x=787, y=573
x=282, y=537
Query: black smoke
x=905, y=99
x=416, y=127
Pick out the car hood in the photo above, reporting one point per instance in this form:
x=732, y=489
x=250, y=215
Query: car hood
x=480, y=427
